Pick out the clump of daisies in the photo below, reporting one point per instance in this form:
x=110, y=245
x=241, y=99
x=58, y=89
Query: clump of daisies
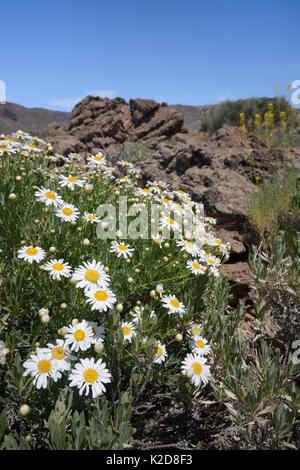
x=117, y=303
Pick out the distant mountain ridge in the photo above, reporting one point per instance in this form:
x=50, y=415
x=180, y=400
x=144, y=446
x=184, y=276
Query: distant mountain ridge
x=14, y=117
x=193, y=115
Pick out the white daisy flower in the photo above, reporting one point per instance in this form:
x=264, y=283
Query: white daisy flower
x=195, y=368
x=199, y=345
x=71, y=182
x=92, y=218
x=143, y=192
x=128, y=330
x=49, y=197
x=196, y=329
x=121, y=249
x=31, y=253
x=211, y=260
x=124, y=163
x=88, y=374
x=196, y=267
x=189, y=247
x=161, y=354
x=213, y=270
x=169, y=223
x=60, y=355
x=67, y=212
x=91, y=275
x=100, y=299
x=125, y=179
x=158, y=239
x=172, y=304
x=98, y=331
x=96, y=160
x=79, y=336
x=58, y=268
x=41, y=368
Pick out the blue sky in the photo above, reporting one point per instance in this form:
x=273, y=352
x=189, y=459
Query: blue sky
x=54, y=53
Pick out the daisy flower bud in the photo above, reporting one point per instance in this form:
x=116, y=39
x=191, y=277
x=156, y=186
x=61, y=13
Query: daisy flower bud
x=98, y=347
x=63, y=305
x=104, y=225
x=18, y=178
x=178, y=337
x=23, y=242
x=52, y=249
x=62, y=331
x=12, y=197
x=45, y=319
x=152, y=293
x=24, y=410
x=130, y=280
x=167, y=245
x=119, y=308
x=86, y=242
x=43, y=311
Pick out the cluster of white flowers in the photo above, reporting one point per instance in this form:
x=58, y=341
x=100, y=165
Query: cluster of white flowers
x=54, y=360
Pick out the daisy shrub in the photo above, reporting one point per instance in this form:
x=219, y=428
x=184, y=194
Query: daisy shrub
x=95, y=309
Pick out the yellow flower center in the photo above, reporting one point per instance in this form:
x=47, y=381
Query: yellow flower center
x=126, y=330
x=200, y=343
x=101, y=295
x=58, y=353
x=197, y=368
x=44, y=366
x=170, y=221
x=50, y=195
x=180, y=191
x=91, y=217
x=90, y=375
x=195, y=330
x=166, y=200
x=211, y=261
x=31, y=251
x=196, y=265
x=145, y=190
x=98, y=159
x=189, y=244
x=92, y=275
x=57, y=266
x=67, y=211
x=72, y=179
x=122, y=247
x=32, y=146
x=79, y=335
x=159, y=351
x=174, y=303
